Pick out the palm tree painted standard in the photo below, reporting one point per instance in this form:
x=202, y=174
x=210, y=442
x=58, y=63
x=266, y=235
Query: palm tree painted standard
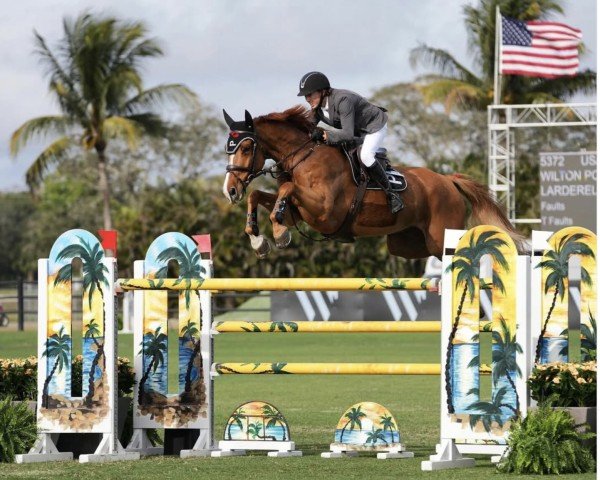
x=257, y=420
x=464, y=403
x=58, y=406
x=159, y=406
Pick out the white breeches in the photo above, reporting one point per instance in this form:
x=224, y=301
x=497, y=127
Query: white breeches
x=371, y=143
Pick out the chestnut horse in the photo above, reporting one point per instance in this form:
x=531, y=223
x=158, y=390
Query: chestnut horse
x=315, y=185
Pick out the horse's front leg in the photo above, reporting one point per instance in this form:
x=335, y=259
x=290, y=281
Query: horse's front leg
x=260, y=244
x=281, y=215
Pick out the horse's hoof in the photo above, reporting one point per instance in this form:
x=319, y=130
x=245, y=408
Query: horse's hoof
x=284, y=240
x=261, y=246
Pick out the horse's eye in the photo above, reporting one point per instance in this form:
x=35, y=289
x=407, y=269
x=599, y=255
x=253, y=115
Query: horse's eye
x=245, y=150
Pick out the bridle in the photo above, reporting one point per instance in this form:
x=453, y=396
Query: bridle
x=275, y=171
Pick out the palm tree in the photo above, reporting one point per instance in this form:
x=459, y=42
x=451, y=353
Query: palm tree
x=254, y=430
x=154, y=346
x=94, y=277
x=236, y=417
x=556, y=260
x=275, y=417
x=466, y=262
x=387, y=421
x=92, y=331
x=58, y=346
x=354, y=416
x=375, y=435
x=189, y=333
x=455, y=85
x=504, y=356
x=95, y=75
x=492, y=411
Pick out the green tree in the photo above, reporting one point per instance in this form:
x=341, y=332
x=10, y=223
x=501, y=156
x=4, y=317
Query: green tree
x=488, y=412
x=456, y=86
x=467, y=260
x=556, y=260
x=154, y=346
x=190, y=333
x=95, y=74
x=275, y=417
x=15, y=210
x=58, y=346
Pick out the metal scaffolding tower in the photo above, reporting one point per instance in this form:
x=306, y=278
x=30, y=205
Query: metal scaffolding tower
x=501, y=144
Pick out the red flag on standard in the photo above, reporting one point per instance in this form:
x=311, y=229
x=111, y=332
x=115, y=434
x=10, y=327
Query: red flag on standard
x=539, y=49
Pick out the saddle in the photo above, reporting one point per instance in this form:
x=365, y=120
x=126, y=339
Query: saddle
x=364, y=183
x=396, y=179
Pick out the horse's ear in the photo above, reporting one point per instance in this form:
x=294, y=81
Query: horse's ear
x=228, y=119
x=249, y=121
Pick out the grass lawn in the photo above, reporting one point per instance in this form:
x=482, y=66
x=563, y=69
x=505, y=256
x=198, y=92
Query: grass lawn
x=312, y=405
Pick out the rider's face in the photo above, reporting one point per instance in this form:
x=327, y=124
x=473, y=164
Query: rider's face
x=313, y=99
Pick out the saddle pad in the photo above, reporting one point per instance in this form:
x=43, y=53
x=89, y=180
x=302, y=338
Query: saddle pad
x=396, y=179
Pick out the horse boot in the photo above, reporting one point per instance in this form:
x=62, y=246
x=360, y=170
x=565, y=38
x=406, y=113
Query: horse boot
x=377, y=173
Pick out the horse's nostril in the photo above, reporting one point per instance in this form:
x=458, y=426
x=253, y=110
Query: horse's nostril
x=232, y=192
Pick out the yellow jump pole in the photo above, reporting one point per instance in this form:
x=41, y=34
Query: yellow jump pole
x=355, y=326
x=278, y=284
x=326, y=368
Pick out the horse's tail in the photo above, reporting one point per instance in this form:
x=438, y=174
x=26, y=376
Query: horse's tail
x=485, y=210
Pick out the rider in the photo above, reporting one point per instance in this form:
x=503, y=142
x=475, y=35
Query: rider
x=352, y=116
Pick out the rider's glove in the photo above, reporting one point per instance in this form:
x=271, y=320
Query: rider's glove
x=317, y=135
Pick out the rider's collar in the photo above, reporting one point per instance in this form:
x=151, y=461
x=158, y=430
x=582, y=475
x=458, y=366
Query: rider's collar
x=236, y=137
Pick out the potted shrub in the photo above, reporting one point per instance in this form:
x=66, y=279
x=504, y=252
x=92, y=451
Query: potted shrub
x=567, y=386
x=18, y=429
x=547, y=442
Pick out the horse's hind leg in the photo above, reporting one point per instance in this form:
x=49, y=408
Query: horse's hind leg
x=260, y=244
x=408, y=244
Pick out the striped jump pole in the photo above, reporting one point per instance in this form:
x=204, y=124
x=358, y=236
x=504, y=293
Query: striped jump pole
x=279, y=284
x=282, y=368
x=240, y=326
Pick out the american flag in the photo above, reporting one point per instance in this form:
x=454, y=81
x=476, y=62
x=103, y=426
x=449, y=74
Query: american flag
x=539, y=49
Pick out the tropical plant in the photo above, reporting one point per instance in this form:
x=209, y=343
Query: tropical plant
x=547, y=442
x=94, y=277
x=254, y=430
x=18, y=429
x=95, y=74
x=466, y=263
x=236, y=418
x=375, y=435
x=387, y=422
x=456, y=86
x=564, y=384
x=189, y=333
x=154, y=347
x=354, y=416
x=556, y=260
x=274, y=417
x=58, y=346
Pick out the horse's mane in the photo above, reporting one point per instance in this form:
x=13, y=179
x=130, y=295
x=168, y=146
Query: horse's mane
x=297, y=116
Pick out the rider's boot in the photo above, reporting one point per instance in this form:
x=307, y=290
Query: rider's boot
x=377, y=173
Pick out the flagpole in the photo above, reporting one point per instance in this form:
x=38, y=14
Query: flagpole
x=497, y=75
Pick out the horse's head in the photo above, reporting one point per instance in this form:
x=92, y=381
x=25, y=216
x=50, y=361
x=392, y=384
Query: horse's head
x=246, y=160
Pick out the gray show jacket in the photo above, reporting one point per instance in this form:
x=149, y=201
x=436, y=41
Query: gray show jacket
x=351, y=115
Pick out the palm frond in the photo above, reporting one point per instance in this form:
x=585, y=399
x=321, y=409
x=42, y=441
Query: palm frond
x=156, y=97
x=123, y=128
x=443, y=61
x=53, y=154
x=36, y=129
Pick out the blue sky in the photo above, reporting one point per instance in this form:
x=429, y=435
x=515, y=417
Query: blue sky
x=245, y=55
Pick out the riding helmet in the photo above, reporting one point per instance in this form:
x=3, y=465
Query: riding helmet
x=311, y=82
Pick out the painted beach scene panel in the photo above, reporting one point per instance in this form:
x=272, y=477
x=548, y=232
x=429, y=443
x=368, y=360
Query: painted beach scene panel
x=58, y=406
x=367, y=426
x=566, y=245
x=257, y=420
x=472, y=416
x=154, y=400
